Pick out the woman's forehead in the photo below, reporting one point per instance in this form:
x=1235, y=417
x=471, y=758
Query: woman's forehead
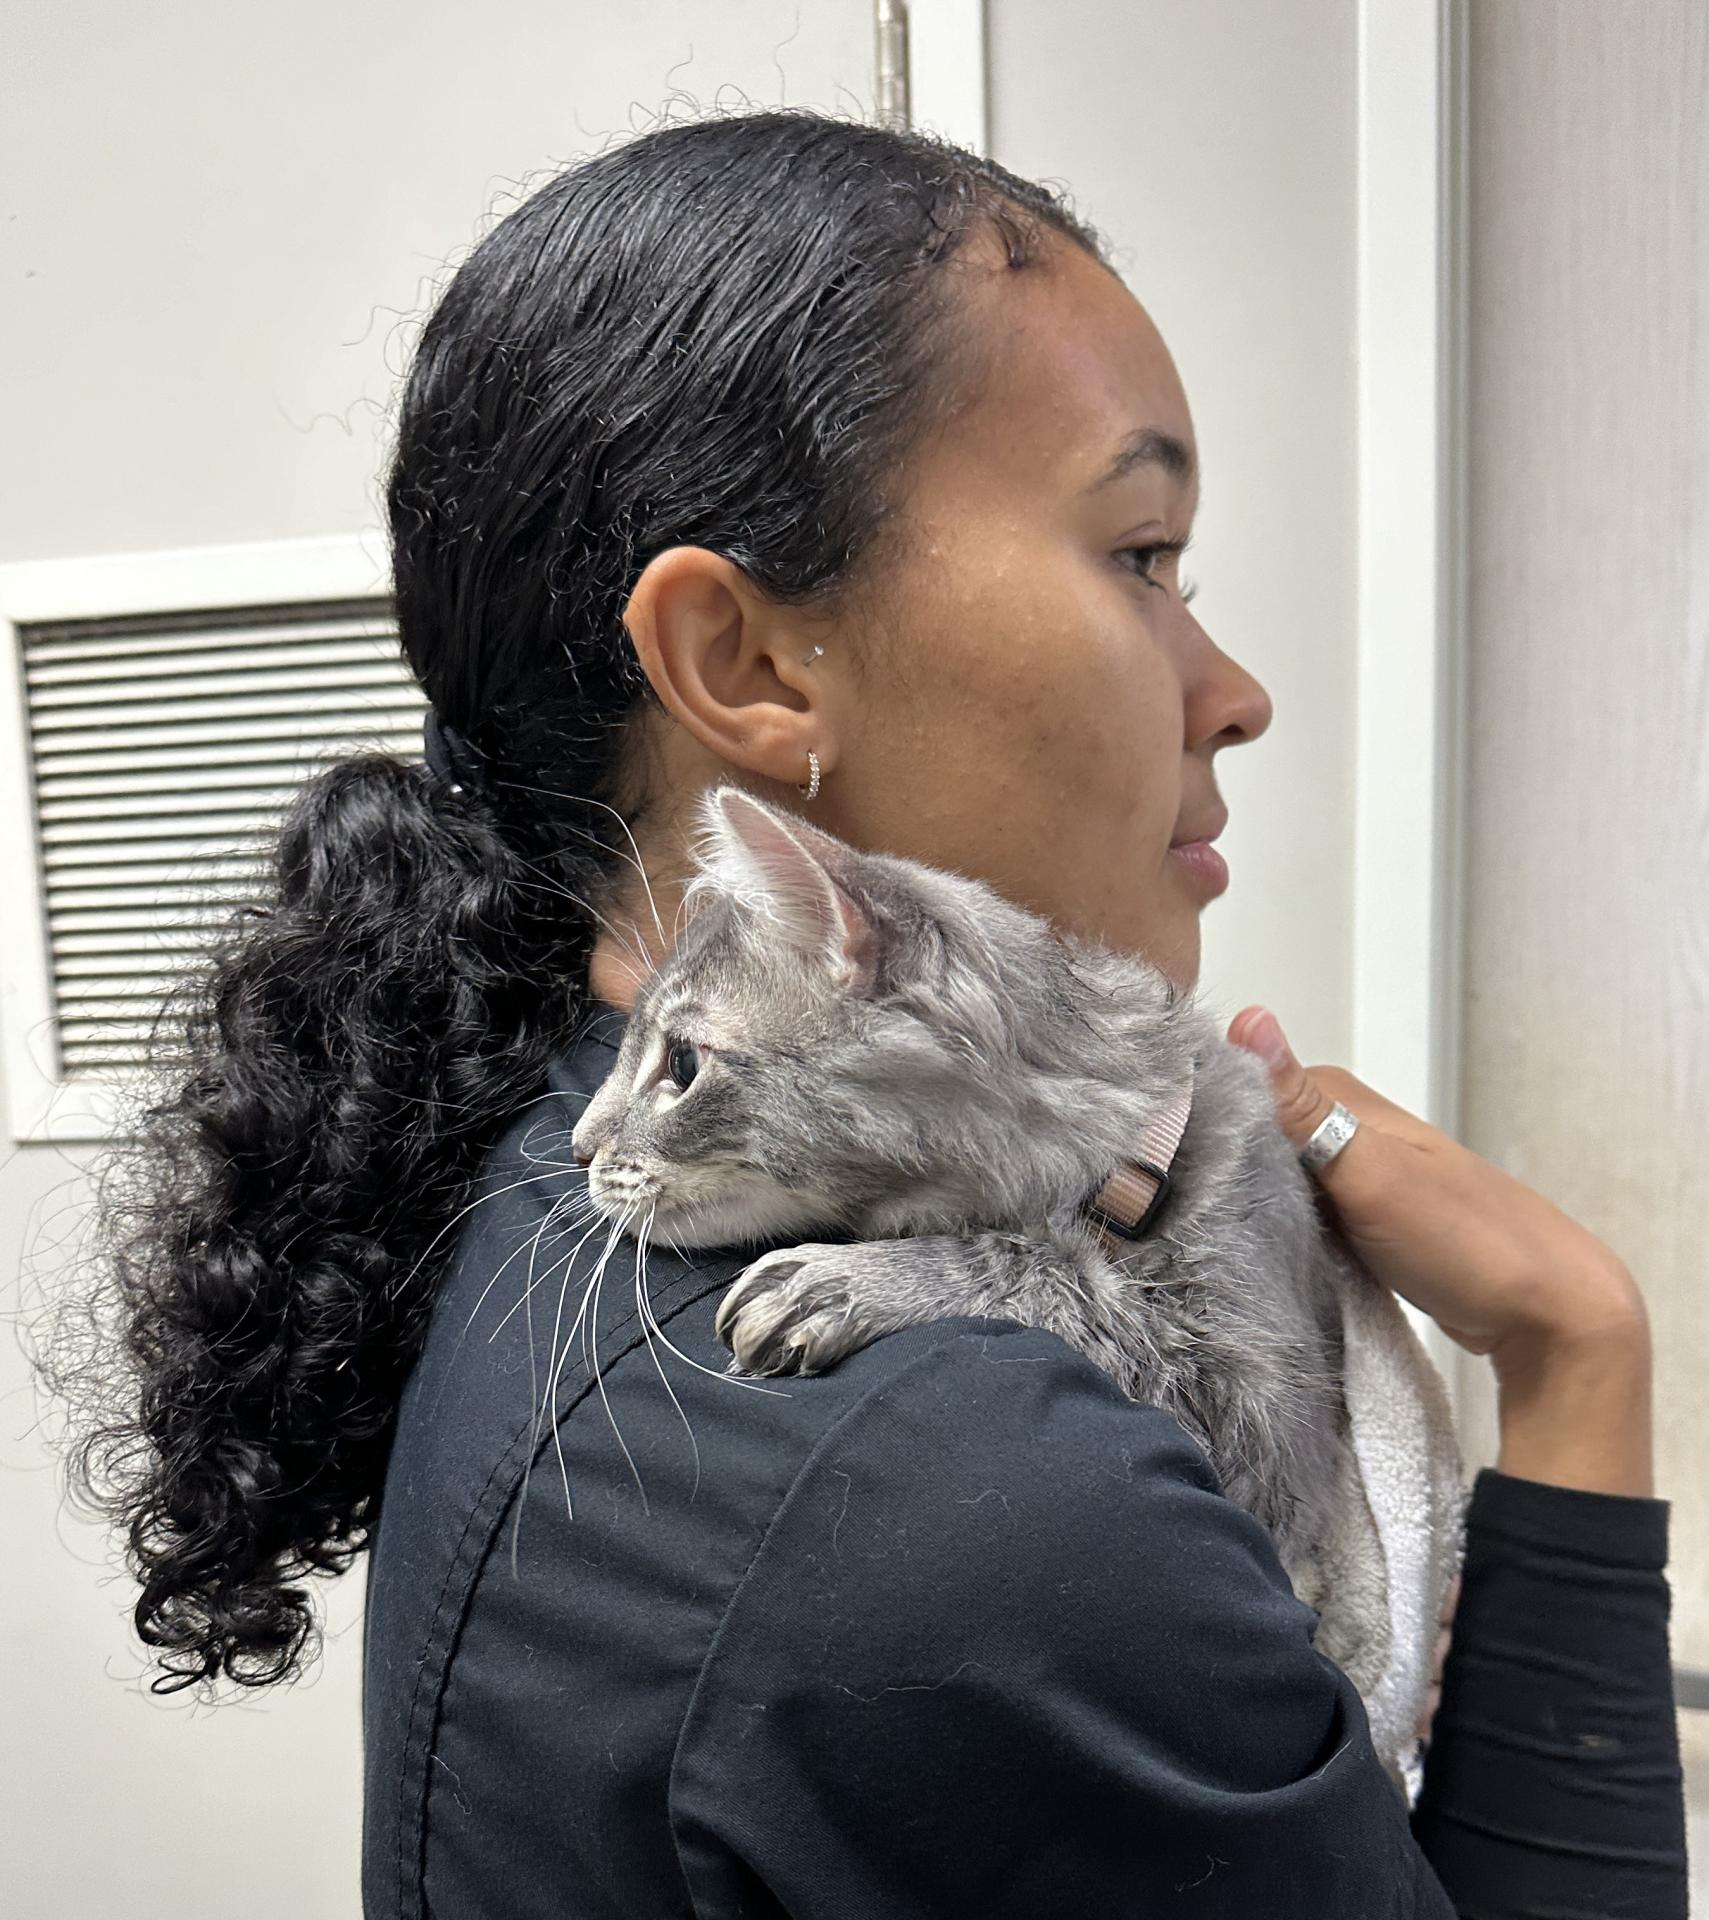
x=1077, y=373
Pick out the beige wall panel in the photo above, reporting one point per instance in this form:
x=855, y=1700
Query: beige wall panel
x=1587, y=1013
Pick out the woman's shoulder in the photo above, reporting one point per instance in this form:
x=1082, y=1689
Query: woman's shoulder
x=997, y=1459
x=990, y=1492
x=1006, y=1627
x=981, y=1393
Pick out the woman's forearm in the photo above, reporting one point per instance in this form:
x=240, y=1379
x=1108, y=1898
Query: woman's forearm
x=1575, y=1408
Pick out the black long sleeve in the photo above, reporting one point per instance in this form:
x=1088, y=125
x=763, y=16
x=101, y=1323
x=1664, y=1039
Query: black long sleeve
x=1552, y=1782
x=1008, y=1650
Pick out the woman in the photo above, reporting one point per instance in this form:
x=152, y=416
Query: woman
x=837, y=461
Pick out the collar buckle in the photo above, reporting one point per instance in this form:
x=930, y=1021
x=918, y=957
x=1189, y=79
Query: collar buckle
x=1140, y=1227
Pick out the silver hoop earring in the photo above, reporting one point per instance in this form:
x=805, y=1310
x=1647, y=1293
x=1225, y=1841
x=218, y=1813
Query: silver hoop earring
x=813, y=762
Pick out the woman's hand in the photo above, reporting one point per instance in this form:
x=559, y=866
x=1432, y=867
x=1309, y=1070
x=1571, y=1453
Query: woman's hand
x=1500, y=1269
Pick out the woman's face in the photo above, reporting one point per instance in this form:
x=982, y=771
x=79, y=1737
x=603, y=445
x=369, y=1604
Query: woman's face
x=1039, y=707
x=1062, y=710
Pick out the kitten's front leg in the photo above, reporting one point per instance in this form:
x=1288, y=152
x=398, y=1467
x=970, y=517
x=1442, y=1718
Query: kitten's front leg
x=802, y=1309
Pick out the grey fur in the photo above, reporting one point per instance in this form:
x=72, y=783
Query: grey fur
x=899, y=1054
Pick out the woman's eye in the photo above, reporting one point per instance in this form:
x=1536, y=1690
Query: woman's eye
x=682, y=1062
x=1150, y=555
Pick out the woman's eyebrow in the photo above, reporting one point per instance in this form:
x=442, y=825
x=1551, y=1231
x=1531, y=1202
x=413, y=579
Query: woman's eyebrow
x=1148, y=446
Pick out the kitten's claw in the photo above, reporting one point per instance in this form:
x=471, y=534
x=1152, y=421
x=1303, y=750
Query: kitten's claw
x=792, y=1312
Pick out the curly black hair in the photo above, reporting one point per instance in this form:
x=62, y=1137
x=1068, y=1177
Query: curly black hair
x=726, y=333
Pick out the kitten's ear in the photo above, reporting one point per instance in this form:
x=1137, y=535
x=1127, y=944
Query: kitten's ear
x=785, y=869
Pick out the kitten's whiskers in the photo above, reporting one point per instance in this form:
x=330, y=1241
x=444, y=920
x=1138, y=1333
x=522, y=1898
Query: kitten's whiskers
x=599, y=1380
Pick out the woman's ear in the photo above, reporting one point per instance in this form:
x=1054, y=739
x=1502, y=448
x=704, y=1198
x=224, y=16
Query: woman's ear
x=725, y=662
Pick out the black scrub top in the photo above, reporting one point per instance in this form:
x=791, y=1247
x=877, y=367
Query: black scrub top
x=953, y=1629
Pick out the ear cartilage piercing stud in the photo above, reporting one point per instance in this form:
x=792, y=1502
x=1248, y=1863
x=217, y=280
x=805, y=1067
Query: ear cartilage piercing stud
x=807, y=659
x=813, y=762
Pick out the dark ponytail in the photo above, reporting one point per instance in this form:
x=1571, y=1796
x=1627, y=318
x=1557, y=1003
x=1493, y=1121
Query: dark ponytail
x=727, y=334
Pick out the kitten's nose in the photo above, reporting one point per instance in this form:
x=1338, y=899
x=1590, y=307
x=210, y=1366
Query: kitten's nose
x=582, y=1158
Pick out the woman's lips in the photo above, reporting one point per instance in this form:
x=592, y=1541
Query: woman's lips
x=1203, y=864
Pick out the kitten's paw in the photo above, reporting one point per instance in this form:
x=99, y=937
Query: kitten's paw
x=793, y=1311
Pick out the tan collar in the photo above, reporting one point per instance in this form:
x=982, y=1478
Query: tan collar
x=1129, y=1200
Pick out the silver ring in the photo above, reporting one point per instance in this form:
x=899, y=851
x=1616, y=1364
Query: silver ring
x=1331, y=1134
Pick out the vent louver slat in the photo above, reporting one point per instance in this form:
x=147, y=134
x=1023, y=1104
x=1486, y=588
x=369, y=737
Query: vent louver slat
x=149, y=784
x=291, y=714
x=222, y=679
x=79, y=973
x=252, y=797
x=183, y=828
x=175, y=902
x=163, y=751
x=141, y=669
x=126, y=638
x=128, y=934
x=211, y=755
x=114, y=922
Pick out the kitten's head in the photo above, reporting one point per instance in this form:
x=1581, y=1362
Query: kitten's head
x=849, y=1041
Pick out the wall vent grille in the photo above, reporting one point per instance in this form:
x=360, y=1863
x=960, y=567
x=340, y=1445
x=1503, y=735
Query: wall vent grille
x=163, y=749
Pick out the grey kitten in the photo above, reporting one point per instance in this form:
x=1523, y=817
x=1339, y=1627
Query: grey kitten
x=853, y=1042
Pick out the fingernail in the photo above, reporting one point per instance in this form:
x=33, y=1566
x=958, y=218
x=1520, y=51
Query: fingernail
x=1265, y=1037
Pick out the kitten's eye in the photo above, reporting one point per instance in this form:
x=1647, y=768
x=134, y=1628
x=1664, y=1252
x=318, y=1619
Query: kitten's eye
x=682, y=1062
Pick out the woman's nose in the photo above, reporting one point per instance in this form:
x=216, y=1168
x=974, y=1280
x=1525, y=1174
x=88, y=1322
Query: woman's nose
x=1238, y=702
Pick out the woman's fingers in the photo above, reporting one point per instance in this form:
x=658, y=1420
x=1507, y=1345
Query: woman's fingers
x=1495, y=1264
x=1301, y=1103
x=1304, y=1096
